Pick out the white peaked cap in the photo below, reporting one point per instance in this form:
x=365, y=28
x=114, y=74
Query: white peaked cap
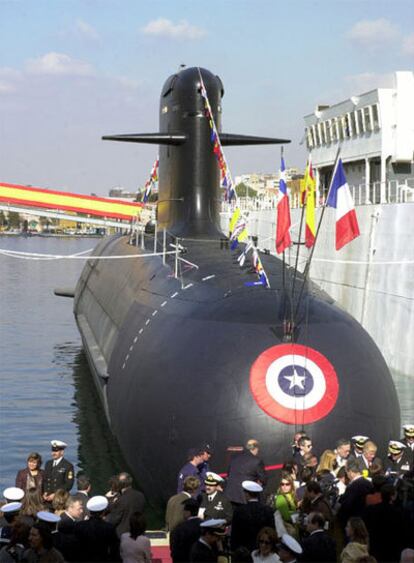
x=11, y=507
x=291, y=544
x=45, y=516
x=13, y=493
x=213, y=523
x=252, y=486
x=58, y=444
x=97, y=504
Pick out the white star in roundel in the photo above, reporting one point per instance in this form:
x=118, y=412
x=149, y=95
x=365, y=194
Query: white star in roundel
x=295, y=380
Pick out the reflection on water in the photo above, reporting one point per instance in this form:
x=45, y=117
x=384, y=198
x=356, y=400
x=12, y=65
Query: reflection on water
x=46, y=388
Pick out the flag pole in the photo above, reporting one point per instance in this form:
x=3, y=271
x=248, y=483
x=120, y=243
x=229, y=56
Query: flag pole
x=308, y=263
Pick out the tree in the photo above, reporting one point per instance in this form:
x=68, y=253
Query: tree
x=14, y=220
x=3, y=220
x=243, y=190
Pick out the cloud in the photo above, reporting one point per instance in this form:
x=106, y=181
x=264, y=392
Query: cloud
x=85, y=30
x=163, y=27
x=373, y=33
x=8, y=80
x=58, y=64
x=408, y=45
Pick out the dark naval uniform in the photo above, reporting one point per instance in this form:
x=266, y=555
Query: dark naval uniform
x=59, y=476
x=401, y=466
x=217, y=505
x=188, y=470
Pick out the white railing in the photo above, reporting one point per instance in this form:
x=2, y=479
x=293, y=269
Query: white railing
x=392, y=191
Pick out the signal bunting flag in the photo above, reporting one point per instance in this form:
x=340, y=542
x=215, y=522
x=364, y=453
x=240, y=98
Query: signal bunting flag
x=283, y=239
x=341, y=199
x=308, y=197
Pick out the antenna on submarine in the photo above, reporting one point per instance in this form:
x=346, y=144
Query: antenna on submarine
x=182, y=66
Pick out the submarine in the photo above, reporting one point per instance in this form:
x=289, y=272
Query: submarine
x=184, y=353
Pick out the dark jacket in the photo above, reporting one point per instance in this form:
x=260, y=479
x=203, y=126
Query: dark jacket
x=97, y=540
x=182, y=539
x=352, y=502
x=218, y=507
x=319, y=547
x=201, y=553
x=58, y=477
x=248, y=520
x=243, y=467
x=21, y=479
x=388, y=534
x=120, y=512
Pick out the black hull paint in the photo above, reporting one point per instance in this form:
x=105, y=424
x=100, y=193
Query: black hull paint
x=173, y=359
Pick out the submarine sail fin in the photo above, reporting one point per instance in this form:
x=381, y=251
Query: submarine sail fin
x=230, y=139
x=151, y=138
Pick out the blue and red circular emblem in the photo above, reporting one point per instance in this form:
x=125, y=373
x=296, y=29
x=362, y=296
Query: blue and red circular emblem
x=294, y=383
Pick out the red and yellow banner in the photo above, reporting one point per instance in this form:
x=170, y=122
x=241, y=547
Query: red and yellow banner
x=66, y=201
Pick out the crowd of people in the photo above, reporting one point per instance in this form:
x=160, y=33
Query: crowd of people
x=344, y=505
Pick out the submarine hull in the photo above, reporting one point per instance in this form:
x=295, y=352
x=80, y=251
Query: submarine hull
x=191, y=356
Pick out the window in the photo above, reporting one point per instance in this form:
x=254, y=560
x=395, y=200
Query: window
x=360, y=121
x=317, y=135
x=322, y=133
x=346, y=126
x=313, y=135
x=375, y=117
x=367, y=119
x=308, y=135
x=341, y=127
x=334, y=130
x=328, y=131
x=353, y=130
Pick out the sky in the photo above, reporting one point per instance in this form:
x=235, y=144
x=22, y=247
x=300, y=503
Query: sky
x=74, y=70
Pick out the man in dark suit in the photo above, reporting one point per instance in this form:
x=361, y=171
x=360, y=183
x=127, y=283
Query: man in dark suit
x=318, y=546
x=368, y=458
x=207, y=548
x=214, y=503
x=250, y=518
x=97, y=539
x=353, y=500
x=59, y=473
x=73, y=513
x=246, y=466
x=186, y=533
x=83, y=485
x=129, y=502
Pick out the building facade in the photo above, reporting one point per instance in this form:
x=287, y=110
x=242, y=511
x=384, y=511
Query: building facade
x=375, y=131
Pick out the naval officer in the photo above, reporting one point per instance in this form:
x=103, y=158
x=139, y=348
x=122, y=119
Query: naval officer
x=214, y=503
x=59, y=471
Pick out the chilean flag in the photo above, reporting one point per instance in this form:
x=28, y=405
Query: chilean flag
x=340, y=197
x=283, y=240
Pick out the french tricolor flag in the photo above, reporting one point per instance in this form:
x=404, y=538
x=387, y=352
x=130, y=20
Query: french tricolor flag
x=283, y=240
x=340, y=197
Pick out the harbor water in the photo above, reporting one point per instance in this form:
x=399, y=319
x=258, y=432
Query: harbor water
x=46, y=388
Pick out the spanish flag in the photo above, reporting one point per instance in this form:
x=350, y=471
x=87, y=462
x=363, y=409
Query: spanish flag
x=308, y=198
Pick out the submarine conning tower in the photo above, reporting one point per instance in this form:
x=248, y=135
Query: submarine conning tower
x=189, y=177
x=191, y=205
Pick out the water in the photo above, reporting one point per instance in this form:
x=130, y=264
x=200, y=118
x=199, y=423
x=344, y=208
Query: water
x=46, y=389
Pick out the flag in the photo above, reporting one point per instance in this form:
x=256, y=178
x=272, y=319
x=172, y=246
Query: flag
x=341, y=199
x=308, y=197
x=283, y=240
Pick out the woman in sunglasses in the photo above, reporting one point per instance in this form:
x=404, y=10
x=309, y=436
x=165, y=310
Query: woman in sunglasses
x=266, y=541
x=286, y=502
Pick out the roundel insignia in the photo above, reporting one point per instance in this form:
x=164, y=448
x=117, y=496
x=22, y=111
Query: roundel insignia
x=293, y=383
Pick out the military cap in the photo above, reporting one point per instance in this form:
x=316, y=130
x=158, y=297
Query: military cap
x=395, y=447
x=48, y=517
x=97, y=503
x=289, y=543
x=409, y=430
x=215, y=525
x=11, y=507
x=212, y=479
x=58, y=445
x=252, y=487
x=359, y=441
x=13, y=493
